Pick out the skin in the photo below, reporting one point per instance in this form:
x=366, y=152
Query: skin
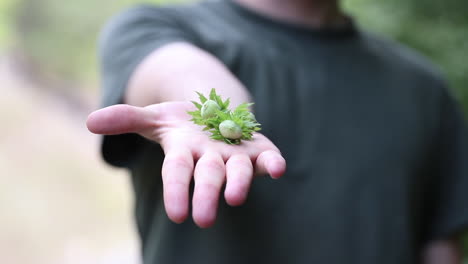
x=157, y=105
x=311, y=13
x=443, y=251
x=189, y=152
x=156, y=109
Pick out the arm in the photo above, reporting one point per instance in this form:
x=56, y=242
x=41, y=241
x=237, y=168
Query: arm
x=173, y=73
x=442, y=252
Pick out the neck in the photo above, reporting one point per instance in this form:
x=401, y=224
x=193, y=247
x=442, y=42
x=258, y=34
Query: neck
x=313, y=13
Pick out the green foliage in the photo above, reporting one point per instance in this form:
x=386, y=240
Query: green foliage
x=437, y=29
x=239, y=119
x=60, y=37
x=6, y=17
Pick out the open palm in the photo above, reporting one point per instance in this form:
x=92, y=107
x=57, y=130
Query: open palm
x=190, y=153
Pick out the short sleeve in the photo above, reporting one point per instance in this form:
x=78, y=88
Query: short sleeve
x=450, y=211
x=124, y=42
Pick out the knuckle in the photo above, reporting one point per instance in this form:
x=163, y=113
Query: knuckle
x=274, y=151
x=270, y=154
x=178, y=161
x=239, y=185
x=238, y=165
x=239, y=158
x=262, y=145
x=212, y=164
x=207, y=189
x=174, y=182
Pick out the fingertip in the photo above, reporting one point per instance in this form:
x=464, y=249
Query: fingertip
x=98, y=121
x=272, y=163
x=177, y=211
x=276, y=166
x=205, y=220
x=235, y=198
x=177, y=217
x=204, y=223
x=176, y=206
x=204, y=206
x=239, y=174
x=118, y=119
x=176, y=174
x=91, y=123
x=204, y=217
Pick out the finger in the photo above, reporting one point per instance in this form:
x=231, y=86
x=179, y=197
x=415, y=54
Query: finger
x=239, y=173
x=270, y=162
x=119, y=119
x=209, y=178
x=177, y=172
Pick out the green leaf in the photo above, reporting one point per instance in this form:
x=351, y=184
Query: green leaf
x=202, y=98
x=217, y=137
x=213, y=94
x=199, y=106
x=219, y=101
x=226, y=103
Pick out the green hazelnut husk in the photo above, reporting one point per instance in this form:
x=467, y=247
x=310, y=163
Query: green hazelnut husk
x=229, y=129
x=209, y=109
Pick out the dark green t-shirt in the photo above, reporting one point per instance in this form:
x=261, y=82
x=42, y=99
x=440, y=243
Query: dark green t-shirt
x=376, y=147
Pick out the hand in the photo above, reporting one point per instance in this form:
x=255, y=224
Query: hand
x=190, y=152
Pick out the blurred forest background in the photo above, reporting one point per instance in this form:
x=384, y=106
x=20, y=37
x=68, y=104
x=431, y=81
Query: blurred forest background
x=58, y=202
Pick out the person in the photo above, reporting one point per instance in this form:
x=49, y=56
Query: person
x=374, y=143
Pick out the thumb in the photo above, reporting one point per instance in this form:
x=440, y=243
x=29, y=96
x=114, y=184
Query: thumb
x=119, y=119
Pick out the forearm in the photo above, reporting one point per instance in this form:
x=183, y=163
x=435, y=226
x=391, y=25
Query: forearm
x=442, y=252
x=175, y=71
